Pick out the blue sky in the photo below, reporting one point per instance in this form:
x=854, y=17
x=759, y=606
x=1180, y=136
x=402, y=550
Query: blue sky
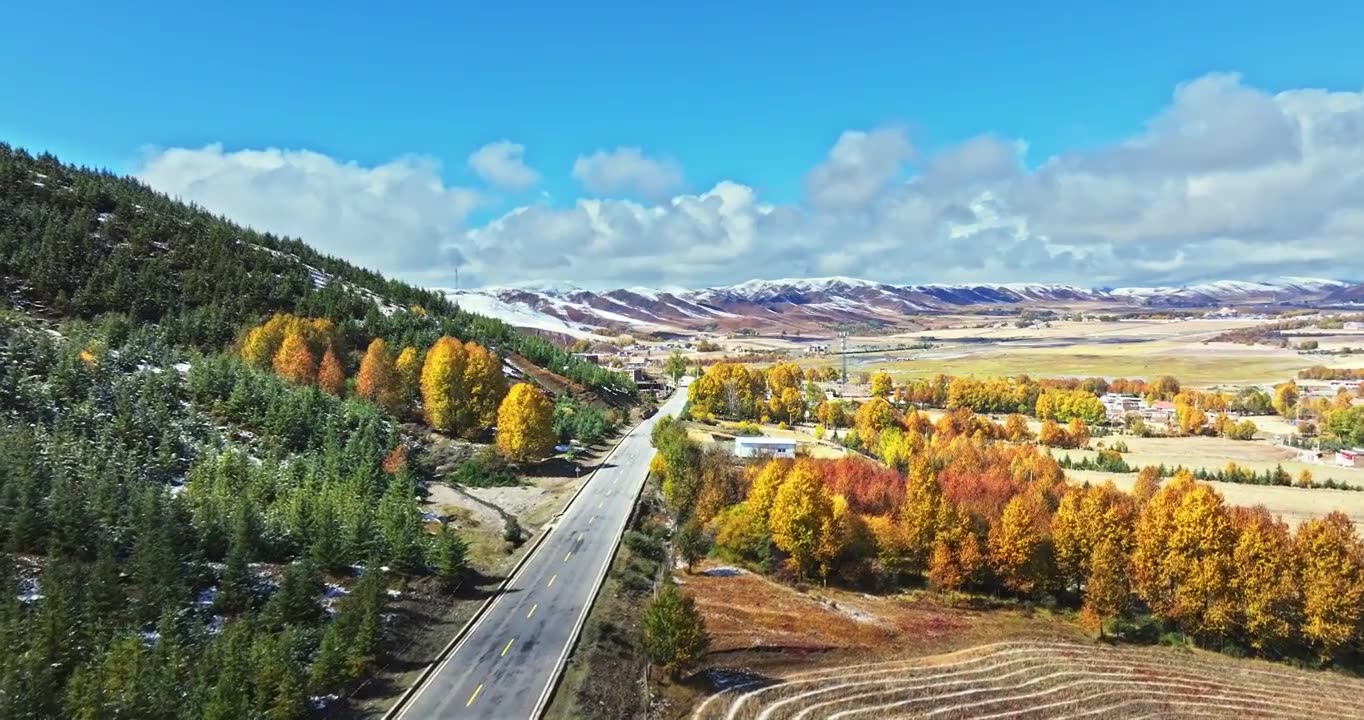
x=750, y=93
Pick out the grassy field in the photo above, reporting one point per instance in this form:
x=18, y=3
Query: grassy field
x=1210, y=453
x=1083, y=349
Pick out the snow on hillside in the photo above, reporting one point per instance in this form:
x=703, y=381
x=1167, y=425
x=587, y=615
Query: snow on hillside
x=516, y=314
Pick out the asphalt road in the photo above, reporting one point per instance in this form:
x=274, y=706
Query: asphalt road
x=506, y=664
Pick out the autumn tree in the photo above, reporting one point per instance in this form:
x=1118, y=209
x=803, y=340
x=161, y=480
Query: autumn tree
x=1107, y=589
x=1331, y=567
x=524, y=424
x=873, y=416
x=918, y=519
x=377, y=380
x=1147, y=484
x=462, y=387
x=263, y=342
x=881, y=384
x=675, y=636
x=330, y=376
x=1198, y=561
x=1016, y=546
x=1285, y=398
x=408, y=368
x=1053, y=435
x=800, y=512
x=294, y=361
x=1078, y=432
x=1152, y=578
x=958, y=555
x=1266, y=582
x=1016, y=428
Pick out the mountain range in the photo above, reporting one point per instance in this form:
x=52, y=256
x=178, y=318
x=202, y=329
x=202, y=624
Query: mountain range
x=809, y=303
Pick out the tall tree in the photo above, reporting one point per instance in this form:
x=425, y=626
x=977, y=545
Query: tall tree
x=799, y=515
x=1107, y=591
x=881, y=384
x=294, y=361
x=525, y=424
x=408, y=367
x=1016, y=546
x=1331, y=562
x=442, y=384
x=377, y=380
x=676, y=366
x=331, y=377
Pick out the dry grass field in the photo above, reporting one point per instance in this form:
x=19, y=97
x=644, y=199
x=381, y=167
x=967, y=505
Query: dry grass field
x=1210, y=453
x=1294, y=505
x=779, y=653
x=1055, y=680
x=1138, y=348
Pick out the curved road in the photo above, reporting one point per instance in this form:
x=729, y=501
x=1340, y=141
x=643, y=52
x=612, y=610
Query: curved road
x=507, y=663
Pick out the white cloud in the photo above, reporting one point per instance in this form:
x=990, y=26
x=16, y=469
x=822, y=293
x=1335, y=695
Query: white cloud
x=503, y=164
x=1227, y=181
x=627, y=170
x=396, y=217
x=858, y=168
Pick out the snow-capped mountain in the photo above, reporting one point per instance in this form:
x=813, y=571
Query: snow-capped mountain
x=802, y=303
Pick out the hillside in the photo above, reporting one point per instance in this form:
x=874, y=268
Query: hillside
x=76, y=243
x=212, y=464
x=804, y=304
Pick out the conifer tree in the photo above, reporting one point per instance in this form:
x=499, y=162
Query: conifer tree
x=331, y=378
x=399, y=523
x=450, y=556
x=675, y=637
x=377, y=380
x=294, y=361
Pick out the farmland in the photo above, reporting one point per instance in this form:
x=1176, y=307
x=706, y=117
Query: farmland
x=826, y=653
x=1031, y=679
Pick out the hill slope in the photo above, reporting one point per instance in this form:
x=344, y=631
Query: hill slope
x=79, y=243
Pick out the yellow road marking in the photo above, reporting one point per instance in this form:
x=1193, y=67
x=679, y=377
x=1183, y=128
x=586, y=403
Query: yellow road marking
x=589, y=520
x=569, y=555
x=474, y=697
x=532, y=609
x=580, y=537
x=551, y=582
x=509, y=644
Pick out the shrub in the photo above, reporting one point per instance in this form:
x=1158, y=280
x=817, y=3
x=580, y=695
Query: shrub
x=485, y=469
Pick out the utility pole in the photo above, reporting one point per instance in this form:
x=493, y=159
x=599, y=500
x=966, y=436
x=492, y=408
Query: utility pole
x=843, y=335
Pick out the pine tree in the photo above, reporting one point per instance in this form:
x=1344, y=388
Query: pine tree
x=675, y=636
x=400, y=523
x=234, y=590
x=294, y=361
x=331, y=378
x=524, y=424
x=450, y=556
x=377, y=380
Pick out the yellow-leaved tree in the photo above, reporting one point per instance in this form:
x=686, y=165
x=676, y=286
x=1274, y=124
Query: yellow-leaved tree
x=958, y=556
x=1152, y=578
x=377, y=381
x=1331, y=565
x=873, y=416
x=1265, y=581
x=1199, y=559
x=408, y=367
x=524, y=424
x=800, y=513
x=294, y=361
x=485, y=383
x=262, y=343
x=1016, y=545
x=918, y=519
x=442, y=384
x=881, y=384
x=330, y=375
x=1107, y=590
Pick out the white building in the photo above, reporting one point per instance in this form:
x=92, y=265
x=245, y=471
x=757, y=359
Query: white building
x=750, y=447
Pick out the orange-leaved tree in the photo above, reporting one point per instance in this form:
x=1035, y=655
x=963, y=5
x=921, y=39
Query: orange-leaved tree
x=330, y=375
x=377, y=381
x=294, y=361
x=524, y=424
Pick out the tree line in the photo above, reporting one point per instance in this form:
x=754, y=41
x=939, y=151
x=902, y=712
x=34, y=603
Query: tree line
x=970, y=513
